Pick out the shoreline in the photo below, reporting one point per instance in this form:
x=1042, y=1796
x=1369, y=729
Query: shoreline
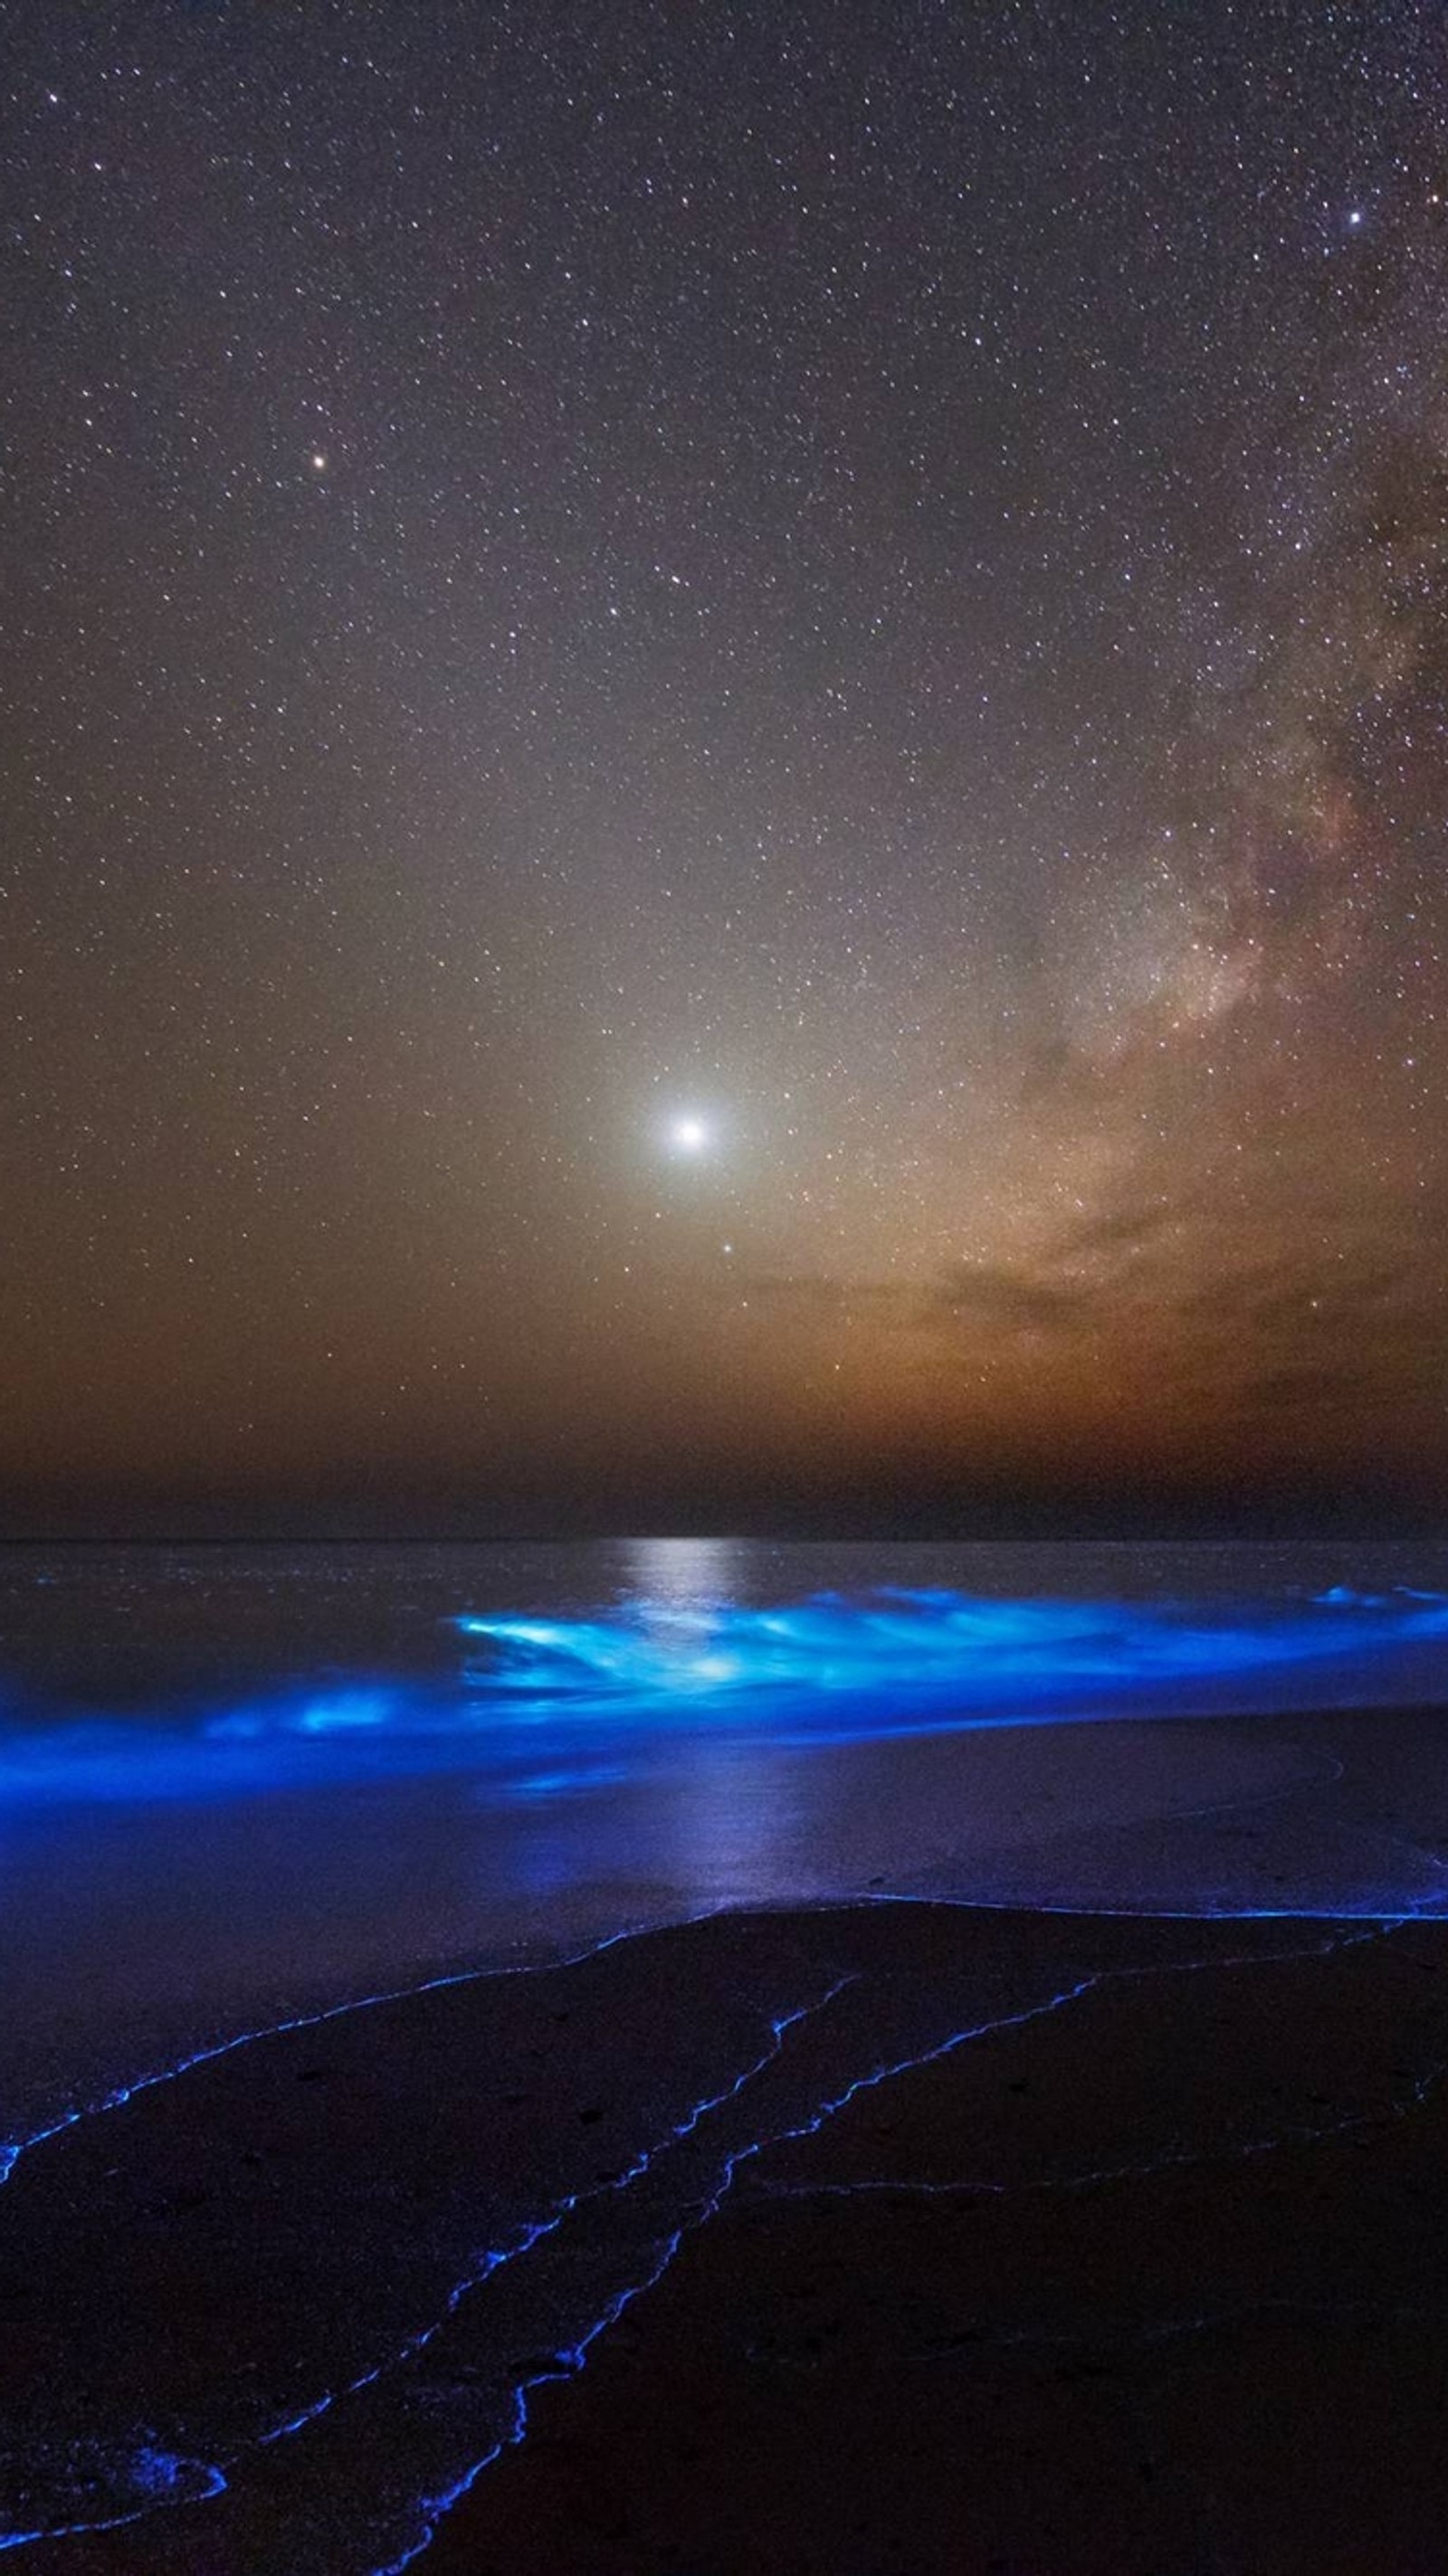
x=330, y=2270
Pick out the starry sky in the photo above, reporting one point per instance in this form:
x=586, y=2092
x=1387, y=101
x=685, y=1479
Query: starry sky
x=724, y=736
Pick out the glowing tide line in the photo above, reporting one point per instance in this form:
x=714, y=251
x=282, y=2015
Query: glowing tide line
x=536, y=2229
x=1387, y=1918
x=574, y=2358
x=1298, y=2134
x=13, y=2149
x=493, y=2261
x=576, y=2353
x=215, y=2486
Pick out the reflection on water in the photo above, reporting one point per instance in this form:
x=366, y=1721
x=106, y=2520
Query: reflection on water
x=686, y=1572
x=234, y=1780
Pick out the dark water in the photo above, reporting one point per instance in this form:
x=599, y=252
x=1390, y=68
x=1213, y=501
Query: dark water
x=238, y=1783
x=289, y=2290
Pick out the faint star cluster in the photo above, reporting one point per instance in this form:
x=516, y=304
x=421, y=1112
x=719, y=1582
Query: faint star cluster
x=725, y=739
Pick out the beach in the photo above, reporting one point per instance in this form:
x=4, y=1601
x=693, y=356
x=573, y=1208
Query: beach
x=685, y=2061
x=1149, y=2282
x=893, y=2236
x=723, y=1426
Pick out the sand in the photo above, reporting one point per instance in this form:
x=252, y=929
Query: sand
x=881, y=2238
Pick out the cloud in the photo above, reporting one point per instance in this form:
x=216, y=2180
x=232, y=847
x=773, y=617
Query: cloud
x=1294, y=1388
x=1006, y=1301
x=992, y=1297
x=1127, y=1228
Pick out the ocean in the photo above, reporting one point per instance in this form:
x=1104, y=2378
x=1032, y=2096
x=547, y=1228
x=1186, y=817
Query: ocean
x=307, y=2215
x=242, y=1783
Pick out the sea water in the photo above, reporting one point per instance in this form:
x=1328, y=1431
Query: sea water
x=236, y=1783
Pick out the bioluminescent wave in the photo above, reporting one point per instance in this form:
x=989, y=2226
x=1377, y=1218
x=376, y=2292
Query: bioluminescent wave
x=905, y=1651
x=541, y=1706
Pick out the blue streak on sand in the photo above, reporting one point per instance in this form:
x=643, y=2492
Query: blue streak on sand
x=184, y=2481
x=535, y=2230
x=196, y=2482
x=826, y=1670
x=574, y=2359
x=1298, y=2133
x=11, y=2150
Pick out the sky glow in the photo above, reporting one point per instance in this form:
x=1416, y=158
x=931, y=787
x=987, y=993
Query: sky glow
x=938, y=648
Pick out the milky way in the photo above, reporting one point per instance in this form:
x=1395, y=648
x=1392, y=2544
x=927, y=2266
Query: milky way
x=724, y=746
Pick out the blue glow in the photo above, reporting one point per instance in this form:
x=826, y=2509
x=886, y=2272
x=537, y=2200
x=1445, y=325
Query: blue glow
x=573, y=2358
x=159, y=2476
x=163, y=2479
x=668, y=1755
x=913, y=1648
x=11, y=2150
x=544, y=1705
x=156, y=2479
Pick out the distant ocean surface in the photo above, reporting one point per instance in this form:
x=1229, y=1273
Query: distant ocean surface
x=236, y=1783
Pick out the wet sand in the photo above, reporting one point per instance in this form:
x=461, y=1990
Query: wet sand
x=900, y=2237
x=1154, y=2283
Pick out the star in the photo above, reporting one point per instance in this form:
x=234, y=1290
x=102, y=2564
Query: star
x=705, y=765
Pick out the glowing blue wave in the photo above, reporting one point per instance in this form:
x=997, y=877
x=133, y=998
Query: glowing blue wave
x=549, y=1706
x=916, y=1647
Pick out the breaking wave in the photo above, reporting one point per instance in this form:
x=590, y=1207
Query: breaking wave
x=579, y=1702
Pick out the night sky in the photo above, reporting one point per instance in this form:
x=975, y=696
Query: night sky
x=724, y=736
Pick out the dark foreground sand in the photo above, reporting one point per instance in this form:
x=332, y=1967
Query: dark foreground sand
x=893, y=2238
